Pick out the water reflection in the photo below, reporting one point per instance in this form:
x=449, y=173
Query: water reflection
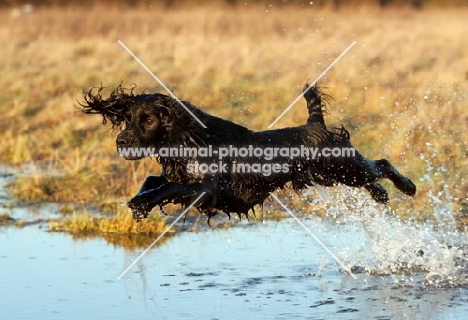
x=128, y=241
x=272, y=269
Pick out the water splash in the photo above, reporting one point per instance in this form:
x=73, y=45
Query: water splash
x=433, y=252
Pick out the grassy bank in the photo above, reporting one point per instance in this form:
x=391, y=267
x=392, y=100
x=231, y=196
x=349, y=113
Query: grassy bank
x=401, y=90
x=119, y=229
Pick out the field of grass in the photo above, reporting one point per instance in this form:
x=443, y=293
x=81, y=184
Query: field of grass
x=401, y=90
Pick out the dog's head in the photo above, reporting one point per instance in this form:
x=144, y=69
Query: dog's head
x=147, y=121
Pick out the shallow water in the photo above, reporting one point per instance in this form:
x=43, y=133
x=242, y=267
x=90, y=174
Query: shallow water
x=263, y=270
x=250, y=270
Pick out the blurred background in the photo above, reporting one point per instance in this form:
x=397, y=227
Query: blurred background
x=401, y=90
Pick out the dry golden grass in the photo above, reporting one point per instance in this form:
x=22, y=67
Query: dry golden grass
x=401, y=90
x=120, y=229
x=121, y=223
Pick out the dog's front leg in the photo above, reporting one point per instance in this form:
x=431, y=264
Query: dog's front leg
x=152, y=182
x=147, y=199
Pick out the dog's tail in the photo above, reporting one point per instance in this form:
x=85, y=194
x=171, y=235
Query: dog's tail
x=316, y=103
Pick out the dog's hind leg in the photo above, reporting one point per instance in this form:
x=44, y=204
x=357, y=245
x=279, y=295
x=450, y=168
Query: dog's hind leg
x=377, y=192
x=361, y=172
x=386, y=170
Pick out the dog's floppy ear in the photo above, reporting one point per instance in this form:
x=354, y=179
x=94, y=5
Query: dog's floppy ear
x=112, y=109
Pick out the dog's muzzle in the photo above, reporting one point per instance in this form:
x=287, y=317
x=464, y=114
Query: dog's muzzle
x=128, y=146
x=125, y=139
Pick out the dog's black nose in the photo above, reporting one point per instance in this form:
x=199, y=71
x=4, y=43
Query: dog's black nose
x=124, y=139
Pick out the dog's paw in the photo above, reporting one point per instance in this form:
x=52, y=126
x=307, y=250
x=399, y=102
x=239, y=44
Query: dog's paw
x=139, y=215
x=406, y=186
x=410, y=188
x=377, y=192
x=140, y=207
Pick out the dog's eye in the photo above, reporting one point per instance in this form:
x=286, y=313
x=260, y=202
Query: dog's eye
x=149, y=121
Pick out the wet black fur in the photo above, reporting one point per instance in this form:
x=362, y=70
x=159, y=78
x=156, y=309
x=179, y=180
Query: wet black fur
x=157, y=120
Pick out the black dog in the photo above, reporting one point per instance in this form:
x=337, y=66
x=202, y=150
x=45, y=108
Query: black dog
x=160, y=122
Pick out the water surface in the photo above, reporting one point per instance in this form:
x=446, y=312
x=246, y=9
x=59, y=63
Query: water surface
x=261, y=270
